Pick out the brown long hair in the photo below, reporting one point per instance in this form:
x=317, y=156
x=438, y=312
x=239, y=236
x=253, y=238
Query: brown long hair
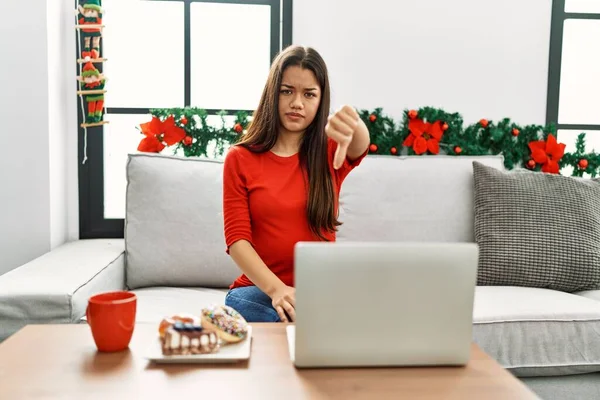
x=264, y=129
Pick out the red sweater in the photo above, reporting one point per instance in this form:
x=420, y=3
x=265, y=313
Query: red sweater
x=264, y=202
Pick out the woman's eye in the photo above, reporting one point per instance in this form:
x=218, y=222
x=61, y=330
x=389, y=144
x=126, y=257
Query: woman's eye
x=286, y=91
x=310, y=94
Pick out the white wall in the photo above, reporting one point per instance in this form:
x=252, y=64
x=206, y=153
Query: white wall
x=62, y=123
x=24, y=180
x=482, y=59
x=38, y=131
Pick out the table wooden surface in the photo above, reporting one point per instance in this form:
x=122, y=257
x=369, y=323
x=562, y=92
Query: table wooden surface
x=61, y=362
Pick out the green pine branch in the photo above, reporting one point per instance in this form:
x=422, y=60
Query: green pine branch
x=503, y=137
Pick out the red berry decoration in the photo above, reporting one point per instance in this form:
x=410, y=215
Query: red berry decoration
x=412, y=114
x=187, y=140
x=484, y=123
x=394, y=150
x=184, y=120
x=445, y=127
x=531, y=164
x=373, y=148
x=372, y=117
x=583, y=163
x=238, y=128
x=457, y=150
x=515, y=132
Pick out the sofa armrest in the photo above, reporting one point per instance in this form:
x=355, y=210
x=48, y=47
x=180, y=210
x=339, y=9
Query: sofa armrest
x=55, y=287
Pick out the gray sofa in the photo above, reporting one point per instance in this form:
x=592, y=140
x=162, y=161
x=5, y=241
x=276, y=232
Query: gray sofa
x=173, y=257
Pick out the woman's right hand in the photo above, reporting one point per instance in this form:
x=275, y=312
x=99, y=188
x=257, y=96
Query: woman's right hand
x=284, y=301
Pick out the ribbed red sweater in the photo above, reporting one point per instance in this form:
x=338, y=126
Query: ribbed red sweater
x=264, y=202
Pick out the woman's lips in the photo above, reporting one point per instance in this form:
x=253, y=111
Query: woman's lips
x=294, y=116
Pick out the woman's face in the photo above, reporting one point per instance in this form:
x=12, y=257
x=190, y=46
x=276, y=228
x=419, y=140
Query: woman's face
x=299, y=99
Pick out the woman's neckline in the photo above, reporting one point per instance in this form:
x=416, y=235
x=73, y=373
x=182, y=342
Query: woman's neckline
x=281, y=157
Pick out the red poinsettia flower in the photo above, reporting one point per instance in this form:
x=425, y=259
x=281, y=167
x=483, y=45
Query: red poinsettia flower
x=547, y=153
x=424, y=136
x=151, y=144
x=158, y=133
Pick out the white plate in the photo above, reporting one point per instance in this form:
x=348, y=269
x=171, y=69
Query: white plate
x=229, y=353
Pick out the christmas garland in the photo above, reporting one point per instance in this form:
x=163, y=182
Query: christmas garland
x=189, y=132
x=426, y=131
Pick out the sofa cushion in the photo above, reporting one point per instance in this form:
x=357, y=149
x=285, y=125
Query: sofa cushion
x=55, y=288
x=155, y=303
x=573, y=387
x=537, y=230
x=412, y=198
x=537, y=332
x=174, y=223
x=590, y=294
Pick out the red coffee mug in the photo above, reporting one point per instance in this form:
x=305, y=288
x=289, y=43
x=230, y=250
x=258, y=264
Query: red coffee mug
x=111, y=317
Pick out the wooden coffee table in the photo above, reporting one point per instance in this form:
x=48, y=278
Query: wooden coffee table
x=61, y=362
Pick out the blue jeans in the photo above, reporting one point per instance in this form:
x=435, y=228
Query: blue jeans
x=252, y=303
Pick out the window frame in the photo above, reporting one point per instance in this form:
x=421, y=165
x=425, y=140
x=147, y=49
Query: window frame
x=92, y=224
x=559, y=16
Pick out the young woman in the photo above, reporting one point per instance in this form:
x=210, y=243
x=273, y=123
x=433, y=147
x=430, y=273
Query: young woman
x=282, y=180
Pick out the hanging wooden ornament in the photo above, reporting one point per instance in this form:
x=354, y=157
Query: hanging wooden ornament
x=92, y=84
x=90, y=23
x=92, y=81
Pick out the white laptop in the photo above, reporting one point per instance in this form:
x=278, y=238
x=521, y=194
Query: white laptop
x=383, y=304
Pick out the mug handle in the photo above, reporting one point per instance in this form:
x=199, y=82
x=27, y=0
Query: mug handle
x=87, y=315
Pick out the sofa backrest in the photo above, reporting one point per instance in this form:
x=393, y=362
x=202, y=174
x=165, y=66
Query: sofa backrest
x=174, y=216
x=174, y=223
x=412, y=198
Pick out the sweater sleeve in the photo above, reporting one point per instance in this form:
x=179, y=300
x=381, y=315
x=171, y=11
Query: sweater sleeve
x=236, y=213
x=348, y=164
